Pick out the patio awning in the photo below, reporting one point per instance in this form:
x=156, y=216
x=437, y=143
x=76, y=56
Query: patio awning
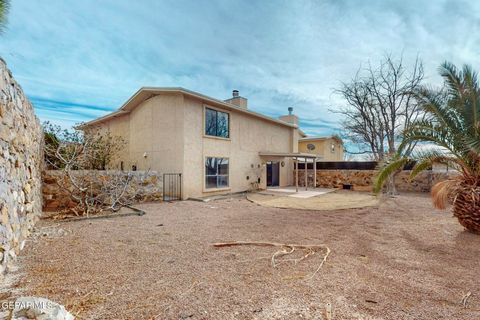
x=306, y=157
x=288, y=155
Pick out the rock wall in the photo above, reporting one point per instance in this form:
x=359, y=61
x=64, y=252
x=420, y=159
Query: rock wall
x=56, y=196
x=21, y=159
x=362, y=180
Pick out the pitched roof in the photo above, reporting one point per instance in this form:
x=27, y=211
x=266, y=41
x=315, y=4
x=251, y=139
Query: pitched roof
x=321, y=138
x=145, y=93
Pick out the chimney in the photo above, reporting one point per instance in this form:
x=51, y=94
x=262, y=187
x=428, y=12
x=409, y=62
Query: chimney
x=237, y=100
x=290, y=118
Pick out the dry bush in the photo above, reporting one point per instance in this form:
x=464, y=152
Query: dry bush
x=82, y=158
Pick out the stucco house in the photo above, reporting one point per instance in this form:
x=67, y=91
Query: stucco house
x=218, y=146
x=327, y=148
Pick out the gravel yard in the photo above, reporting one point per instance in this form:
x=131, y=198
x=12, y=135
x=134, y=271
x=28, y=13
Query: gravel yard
x=402, y=260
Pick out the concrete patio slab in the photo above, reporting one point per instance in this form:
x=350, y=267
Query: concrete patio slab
x=291, y=191
x=315, y=200
x=309, y=194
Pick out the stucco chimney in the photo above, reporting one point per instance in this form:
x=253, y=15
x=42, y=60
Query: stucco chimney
x=290, y=118
x=237, y=100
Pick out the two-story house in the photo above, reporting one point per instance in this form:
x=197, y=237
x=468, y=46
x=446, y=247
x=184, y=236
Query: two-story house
x=327, y=148
x=217, y=146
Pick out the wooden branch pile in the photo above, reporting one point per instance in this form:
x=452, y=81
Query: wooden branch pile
x=81, y=159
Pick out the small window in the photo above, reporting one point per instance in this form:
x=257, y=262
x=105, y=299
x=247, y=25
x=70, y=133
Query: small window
x=217, y=123
x=216, y=173
x=332, y=147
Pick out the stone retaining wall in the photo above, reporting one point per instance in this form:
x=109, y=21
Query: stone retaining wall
x=21, y=159
x=362, y=180
x=55, y=197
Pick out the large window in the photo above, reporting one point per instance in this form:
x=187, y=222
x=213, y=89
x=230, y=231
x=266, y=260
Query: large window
x=216, y=173
x=216, y=123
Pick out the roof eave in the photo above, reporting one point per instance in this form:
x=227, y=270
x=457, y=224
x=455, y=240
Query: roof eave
x=320, y=138
x=127, y=107
x=100, y=120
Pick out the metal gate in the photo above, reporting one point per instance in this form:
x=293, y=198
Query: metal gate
x=172, y=186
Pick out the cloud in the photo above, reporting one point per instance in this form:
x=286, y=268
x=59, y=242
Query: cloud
x=82, y=59
x=66, y=113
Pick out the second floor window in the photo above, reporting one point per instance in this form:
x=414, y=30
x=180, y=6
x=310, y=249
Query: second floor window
x=217, y=123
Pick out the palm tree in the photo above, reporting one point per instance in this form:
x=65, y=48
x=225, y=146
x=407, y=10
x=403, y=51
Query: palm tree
x=4, y=6
x=453, y=125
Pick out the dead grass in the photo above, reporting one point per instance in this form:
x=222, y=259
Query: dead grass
x=402, y=260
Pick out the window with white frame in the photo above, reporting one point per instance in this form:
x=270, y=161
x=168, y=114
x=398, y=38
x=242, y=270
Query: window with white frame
x=216, y=173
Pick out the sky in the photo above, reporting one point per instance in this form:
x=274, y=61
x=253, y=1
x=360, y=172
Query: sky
x=78, y=60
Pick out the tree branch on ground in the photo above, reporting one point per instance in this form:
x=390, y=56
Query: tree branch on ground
x=285, y=249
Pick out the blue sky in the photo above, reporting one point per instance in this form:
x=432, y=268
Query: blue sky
x=78, y=60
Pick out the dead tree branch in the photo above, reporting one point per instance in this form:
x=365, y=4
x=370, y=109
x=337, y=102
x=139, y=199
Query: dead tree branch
x=285, y=249
x=82, y=159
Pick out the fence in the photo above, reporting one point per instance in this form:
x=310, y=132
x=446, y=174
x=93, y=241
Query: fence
x=362, y=180
x=172, y=186
x=349, y=165
x=57, y=197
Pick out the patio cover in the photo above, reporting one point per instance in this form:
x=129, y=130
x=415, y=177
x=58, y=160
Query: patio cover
x=296, y=156
x=288, y=155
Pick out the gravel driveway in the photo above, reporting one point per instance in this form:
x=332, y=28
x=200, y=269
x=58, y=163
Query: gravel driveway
x=402, y=260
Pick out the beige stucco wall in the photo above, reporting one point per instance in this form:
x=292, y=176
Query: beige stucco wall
x=323, y=149
x=156, y=129
x=169, y=129
x=248, y=136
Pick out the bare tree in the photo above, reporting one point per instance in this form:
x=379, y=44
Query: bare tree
x=101, y=154
x=79, y=157
x=380, y=105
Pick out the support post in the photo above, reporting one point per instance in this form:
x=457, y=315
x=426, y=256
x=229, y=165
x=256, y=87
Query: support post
x=314, y=173
x=306, y=176
x=296, y=174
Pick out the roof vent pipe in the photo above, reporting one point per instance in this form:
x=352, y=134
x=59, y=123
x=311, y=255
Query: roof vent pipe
x=235, y=93
x=290, y=111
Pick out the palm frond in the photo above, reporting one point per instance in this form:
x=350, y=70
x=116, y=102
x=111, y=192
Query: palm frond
x=452, y=122
x=427, y=159
x=420, y=166
x=452, y=78
x=442, y=192
x=427, y=131
x=433, y=102
x=4, y=8
x=387, y=171
x=473, y=144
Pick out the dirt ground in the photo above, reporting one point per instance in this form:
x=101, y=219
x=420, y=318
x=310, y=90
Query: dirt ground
x=402, y=260
x=330, y=201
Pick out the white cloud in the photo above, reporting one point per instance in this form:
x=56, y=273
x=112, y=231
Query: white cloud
x=278, y=53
